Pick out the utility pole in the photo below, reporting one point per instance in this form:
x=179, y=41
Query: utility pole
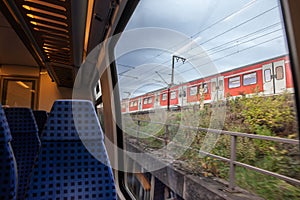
x=172, y=76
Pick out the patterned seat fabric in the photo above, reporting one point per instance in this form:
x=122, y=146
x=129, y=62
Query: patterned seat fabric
x=73, y=162
x=8, y=167
x=41, y=119
x=25, y=144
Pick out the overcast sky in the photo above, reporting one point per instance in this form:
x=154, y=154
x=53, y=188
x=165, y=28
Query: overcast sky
x=213, y=35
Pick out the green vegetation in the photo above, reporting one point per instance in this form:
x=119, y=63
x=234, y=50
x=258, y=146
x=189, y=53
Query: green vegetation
x=269, y=116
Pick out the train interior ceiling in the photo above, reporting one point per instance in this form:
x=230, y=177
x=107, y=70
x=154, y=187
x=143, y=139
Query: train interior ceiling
x=48, y=40
x=61, y=49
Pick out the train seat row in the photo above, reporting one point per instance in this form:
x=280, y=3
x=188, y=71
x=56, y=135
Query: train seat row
x=67, y=161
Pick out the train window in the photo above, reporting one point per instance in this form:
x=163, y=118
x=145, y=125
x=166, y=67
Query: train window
x=234, y=82
x=173, y=95
x=193, y=90
x=279, y=73
x=100, y=114
x=267, y=75
x=131, y=104
x=249, y=79
x=213, y=86
x=135, y=103
x=150, y=100
x=19, y=92
x=157, y=99
x=205, y=88
x=220, y=85
x=224, y=45
x=146, y=101
x=164, y=96
x=97, y=90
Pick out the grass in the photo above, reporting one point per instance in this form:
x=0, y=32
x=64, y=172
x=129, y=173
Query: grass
x=243, y=115
x=266, y=186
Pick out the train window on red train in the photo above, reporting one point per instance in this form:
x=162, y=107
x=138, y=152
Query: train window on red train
x=213, y=86
x=205, y=88
x=267, y=75
x=146, y=101
x=173, y=95
x=221, y=84
x=234, y=82
x=249, y=79
x=150, y=100
x=279, y=73
x=193, y=90
x=164, y=96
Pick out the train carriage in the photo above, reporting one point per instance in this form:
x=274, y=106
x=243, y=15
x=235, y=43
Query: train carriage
x=148, y=101
x=134, y=104
x=269, y=77
x=173, y=95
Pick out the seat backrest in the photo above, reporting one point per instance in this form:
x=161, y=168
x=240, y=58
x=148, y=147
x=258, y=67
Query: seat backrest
x=73, y=162
x=8, y=167
x=40, y=119
x=25, y=144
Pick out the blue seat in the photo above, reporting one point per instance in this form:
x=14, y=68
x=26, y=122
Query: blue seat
x=73, y=162
x=8, y=167
x=25, y=144
x=41, y=119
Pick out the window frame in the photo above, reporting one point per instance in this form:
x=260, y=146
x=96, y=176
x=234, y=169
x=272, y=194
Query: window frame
x=193, y=87
x=282, y=74
x=250, y=74
x=164, y=96
x=230, y=87
x=265, y=75
x=173, y=95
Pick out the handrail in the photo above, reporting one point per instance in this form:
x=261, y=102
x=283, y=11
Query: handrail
x=232, y=161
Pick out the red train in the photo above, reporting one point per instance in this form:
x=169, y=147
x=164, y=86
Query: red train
x=268, y=77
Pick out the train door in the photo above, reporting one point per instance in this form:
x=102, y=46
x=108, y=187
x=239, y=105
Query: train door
x=182, y=99
x=274, y=78
x=217, y=88
x=156, y=100
x=19, y=92
x=140, y=101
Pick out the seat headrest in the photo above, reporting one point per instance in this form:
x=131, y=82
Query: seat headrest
x=21, y=120
x=72, y=120
x=4, y=128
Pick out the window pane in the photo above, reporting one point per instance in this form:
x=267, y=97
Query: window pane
x=267, y=75
x=205, y=88
x=100, y=114
x=193, y=90
x=213, y=86
x=19, y=93
x=249, y=79
x=146, y=101
x=164, y=96
x=220, y=84
x=237, y=40
x=234, y=82
x=173, y=95
x=279, y=72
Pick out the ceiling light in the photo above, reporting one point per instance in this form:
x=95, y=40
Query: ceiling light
x=22, y=84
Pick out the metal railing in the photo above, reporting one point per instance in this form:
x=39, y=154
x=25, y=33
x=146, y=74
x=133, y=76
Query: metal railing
x=233, y=144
